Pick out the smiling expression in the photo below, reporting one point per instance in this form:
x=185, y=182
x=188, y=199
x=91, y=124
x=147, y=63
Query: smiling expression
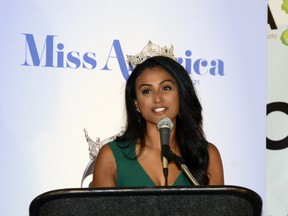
x=157, y=95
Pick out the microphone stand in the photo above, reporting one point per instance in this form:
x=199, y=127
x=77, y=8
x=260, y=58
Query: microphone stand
x=181, y=164
x=165, y=160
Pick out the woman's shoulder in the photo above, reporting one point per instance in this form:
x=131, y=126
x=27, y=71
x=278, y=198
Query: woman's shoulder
x=119, y=149
x=116, y=144
x=108, y=149
x=104, y=168
x=215, y=167
x=212, y=149
x=213, y=152
x=105, y=153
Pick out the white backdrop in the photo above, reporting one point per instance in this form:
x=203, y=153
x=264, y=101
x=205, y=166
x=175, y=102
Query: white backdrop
x=47, y=96
x=277, y=120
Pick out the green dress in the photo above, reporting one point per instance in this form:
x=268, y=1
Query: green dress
x=130, y=173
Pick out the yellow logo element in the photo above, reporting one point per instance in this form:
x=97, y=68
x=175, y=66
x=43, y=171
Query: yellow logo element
x=285, y=6
x=284, y=37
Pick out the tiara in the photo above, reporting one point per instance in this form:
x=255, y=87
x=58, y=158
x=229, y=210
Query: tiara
x=149, y=51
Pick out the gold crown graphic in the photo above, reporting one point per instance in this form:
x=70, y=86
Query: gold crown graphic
x=149, y=51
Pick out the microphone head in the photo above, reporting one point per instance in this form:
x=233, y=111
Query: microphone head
x=165, y=123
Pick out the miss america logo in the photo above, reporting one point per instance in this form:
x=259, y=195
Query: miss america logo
x=56, y=56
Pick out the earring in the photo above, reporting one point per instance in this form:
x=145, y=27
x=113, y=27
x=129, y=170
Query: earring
x=136, y=105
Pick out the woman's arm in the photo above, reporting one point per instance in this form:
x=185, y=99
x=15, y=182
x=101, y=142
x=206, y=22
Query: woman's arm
x=104, y=174
x=215, y=167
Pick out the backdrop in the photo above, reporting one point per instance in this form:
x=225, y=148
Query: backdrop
x=63, y=69
x=277, y=109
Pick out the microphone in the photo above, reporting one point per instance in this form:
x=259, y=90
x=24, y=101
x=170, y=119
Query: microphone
x=165, y=126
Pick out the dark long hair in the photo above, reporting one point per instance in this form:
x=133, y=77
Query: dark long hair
x=189, y=132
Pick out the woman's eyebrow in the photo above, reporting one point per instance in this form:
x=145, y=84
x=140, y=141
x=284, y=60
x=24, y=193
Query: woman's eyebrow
x=144, y=85
x=168, y=80
x=147, y=84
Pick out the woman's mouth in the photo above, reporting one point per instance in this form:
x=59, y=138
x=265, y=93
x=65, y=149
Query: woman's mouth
x=159, y=110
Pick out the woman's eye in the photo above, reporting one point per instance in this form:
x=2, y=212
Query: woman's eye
x=167, y=88
x=146, y=91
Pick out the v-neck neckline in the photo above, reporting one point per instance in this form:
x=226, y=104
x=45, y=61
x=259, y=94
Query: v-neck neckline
x=146, y=174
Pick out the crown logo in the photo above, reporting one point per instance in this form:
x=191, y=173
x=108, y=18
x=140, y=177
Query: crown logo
x=149, y=51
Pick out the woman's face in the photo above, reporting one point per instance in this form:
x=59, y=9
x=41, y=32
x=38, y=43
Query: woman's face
x=157, y=95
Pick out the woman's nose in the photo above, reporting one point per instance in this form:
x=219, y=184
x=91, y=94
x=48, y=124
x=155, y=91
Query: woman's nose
x=158, y=97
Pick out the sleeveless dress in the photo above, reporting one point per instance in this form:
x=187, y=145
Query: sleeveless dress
x=129, y=171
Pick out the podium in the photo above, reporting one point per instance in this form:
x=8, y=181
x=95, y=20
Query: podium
x=206, y=201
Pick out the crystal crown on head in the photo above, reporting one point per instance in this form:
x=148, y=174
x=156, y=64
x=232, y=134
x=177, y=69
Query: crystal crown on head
x=149, y=51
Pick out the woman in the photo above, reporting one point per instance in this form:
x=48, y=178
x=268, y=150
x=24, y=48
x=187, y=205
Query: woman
x=158, y=88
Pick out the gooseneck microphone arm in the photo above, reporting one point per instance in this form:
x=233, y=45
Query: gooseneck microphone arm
x=181, y=164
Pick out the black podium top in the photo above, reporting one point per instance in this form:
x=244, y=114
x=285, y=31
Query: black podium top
x=206, y=201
